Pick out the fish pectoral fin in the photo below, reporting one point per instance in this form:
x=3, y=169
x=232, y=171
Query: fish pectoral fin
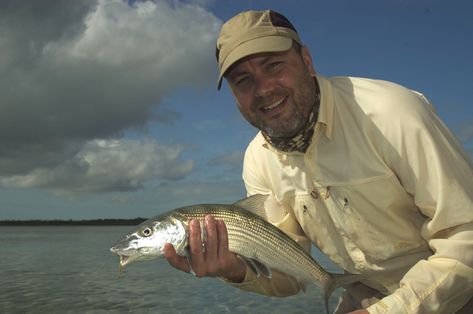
x=338, y=280
x=264, y=269
x=302, y=286
x=259, y=268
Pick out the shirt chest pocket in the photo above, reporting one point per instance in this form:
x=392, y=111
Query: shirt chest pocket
x=316, y=222
x=376, y=219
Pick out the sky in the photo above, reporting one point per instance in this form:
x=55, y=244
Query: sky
x=109, y=108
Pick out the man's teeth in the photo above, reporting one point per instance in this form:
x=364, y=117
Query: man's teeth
x=271, y=107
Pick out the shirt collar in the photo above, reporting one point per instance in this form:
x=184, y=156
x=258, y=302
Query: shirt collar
x=326, y=109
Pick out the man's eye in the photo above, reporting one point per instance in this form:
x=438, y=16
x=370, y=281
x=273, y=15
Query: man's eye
x=274, y=65
x=242, y=80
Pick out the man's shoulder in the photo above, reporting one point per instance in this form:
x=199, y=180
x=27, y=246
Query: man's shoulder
x=260, y=150
x=379, y=98
x=257, y=144
x=369, y=86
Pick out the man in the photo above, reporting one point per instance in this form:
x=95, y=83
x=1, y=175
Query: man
x=362, y=168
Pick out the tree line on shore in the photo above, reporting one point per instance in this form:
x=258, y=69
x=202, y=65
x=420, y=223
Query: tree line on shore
x=71, y=222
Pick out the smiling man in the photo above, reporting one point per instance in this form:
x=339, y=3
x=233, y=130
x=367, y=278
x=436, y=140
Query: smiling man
x=361, y=168
x=281, y=112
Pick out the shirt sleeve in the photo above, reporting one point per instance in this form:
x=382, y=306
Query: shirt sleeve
x=280, y=284
x=432, y=166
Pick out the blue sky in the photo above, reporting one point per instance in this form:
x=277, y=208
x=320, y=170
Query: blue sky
x=109, y=109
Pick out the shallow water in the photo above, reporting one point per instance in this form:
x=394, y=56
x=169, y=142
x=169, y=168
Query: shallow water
x=56, y=269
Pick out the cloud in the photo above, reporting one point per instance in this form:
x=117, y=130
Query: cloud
x=108, y=165
x=74, y=72
x=208, y=124
x=197, y=192
x=233, y=159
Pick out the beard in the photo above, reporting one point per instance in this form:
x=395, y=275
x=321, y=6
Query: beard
x=285, y=128
x=296, y=119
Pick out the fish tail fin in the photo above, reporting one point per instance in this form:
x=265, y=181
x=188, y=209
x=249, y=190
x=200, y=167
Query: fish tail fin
x=338, y=280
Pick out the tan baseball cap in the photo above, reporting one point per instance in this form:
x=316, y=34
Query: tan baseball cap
x=252, y=32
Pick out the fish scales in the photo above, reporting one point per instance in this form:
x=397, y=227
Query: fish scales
x=242, y=226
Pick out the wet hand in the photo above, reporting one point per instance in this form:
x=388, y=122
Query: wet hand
x=215, y=260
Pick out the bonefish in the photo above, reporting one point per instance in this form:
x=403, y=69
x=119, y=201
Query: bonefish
x=263, y=245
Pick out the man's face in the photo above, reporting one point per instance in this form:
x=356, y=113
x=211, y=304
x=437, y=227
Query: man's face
x=275, y=90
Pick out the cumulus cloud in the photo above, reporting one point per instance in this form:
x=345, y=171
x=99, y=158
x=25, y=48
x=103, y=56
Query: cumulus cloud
x=73, y=72
x=108, y=165
x=197, y=192
x=232, y=159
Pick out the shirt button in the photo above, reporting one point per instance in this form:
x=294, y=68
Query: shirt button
x=340, y=230
x=326, y=195
x=314, y=195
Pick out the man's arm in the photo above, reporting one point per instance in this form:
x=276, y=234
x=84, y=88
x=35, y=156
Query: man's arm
x=434, y=169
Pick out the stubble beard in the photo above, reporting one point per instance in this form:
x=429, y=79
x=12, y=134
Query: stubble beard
x=284, y=128
x=301, y=107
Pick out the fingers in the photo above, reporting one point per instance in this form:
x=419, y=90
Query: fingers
x=211, y=241
x=204, y=262
x=215, y=259
x=175, y=260
x=222, y=238
x=195, y=245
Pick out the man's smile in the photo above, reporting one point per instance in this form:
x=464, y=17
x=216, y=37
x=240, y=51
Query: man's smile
x=277, y=104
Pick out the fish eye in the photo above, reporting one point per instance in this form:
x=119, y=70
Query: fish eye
x=146, y=232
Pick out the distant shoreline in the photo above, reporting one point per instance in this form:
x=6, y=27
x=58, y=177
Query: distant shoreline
x=70, y=222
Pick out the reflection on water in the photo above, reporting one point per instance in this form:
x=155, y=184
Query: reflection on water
x=57, y=269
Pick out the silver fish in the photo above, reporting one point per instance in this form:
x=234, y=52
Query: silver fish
x=263, y=245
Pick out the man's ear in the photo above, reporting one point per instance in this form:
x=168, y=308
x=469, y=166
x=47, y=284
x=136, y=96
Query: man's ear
x=307, y=58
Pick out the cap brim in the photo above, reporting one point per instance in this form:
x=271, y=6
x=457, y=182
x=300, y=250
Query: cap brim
x=257, y=45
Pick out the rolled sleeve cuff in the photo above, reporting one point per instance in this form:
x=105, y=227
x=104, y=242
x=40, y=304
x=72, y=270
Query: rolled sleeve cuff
x=389, y=304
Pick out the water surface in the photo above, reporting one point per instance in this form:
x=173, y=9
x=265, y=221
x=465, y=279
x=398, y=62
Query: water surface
x=69, y=269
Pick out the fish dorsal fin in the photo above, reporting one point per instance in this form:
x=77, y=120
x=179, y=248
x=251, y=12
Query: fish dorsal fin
x=254, y=204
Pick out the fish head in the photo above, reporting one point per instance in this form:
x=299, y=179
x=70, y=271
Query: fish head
x=147, y=241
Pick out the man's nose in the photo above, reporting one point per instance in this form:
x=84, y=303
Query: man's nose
x=264, y=86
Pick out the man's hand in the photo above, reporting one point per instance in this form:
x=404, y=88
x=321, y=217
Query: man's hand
x=360, y=312
x=216, y=260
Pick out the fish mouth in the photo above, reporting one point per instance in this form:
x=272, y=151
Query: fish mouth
x=124, y=259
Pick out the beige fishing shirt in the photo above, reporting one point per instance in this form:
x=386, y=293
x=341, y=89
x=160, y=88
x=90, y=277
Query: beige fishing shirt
x=384, y=190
